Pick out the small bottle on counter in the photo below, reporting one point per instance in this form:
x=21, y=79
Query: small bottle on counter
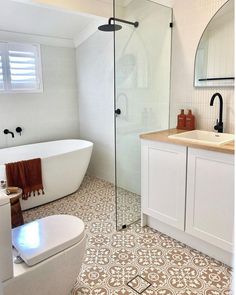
x=181, y=120
x=190, y=121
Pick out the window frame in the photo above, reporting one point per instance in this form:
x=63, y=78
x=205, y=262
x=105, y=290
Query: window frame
x=6, y=68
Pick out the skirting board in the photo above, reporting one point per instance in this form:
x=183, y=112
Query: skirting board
x=189, y=240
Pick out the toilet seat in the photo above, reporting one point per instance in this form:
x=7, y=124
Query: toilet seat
x=45, y=237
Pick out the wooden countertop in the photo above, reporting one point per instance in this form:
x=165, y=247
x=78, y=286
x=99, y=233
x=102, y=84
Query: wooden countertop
x=163, y=136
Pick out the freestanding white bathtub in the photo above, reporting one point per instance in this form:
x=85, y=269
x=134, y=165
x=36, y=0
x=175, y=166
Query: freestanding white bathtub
x=64, y=164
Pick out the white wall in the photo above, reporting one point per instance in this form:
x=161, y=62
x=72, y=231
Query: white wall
x=45, y=116
x=190, y=19
x=95, y=95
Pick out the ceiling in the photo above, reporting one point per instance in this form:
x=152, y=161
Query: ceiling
x=36, y=20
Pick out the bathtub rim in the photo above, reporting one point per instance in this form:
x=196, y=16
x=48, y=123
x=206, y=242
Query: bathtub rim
x=88, y=146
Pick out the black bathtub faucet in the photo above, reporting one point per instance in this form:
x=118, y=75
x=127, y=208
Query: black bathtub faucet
x=6, y=131
x=19, y=130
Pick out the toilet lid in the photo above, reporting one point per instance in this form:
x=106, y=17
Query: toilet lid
x=45, y=237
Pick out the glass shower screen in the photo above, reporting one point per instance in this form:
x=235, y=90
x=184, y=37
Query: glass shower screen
x=142, y=86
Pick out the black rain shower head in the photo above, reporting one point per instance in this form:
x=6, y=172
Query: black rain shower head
x=114, y=27
x=110, y=28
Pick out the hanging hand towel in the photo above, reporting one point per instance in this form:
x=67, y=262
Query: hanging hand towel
x=26, y=175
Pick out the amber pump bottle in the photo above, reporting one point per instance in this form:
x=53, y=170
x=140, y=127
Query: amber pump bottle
x=190, y=121
x=181, y=120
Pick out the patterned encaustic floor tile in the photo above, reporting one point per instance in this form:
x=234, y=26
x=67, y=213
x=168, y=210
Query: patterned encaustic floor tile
x=113, y=259
x=139, y=284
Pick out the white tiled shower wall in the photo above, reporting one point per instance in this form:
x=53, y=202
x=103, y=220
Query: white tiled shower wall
x=142, y=84
x=138, y=94
x=190, y=19
x=94, y=59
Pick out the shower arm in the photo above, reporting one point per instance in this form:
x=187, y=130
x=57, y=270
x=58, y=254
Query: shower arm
x=135, y=24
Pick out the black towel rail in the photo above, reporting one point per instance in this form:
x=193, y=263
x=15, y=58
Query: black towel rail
x=214, y=79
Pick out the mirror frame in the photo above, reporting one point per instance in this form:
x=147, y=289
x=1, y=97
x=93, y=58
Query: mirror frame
x=195, y=59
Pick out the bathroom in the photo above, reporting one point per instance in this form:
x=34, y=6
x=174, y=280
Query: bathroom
x=108, y=88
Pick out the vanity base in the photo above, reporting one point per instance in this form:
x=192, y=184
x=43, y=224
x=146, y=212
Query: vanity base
x=189, y=240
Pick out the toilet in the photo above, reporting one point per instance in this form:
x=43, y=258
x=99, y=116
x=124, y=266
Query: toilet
x=52, y=250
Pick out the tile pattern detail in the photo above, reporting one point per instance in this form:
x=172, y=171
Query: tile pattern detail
x=139, y=284
x=112, y=258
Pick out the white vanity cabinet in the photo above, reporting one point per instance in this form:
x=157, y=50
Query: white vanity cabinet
x=188, y=193
x=163, y=182
x=210, y=197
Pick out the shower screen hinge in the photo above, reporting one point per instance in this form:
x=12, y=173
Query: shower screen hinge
x=171, y=25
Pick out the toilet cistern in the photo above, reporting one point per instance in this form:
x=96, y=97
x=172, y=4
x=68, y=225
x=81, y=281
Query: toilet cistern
x=219, y=122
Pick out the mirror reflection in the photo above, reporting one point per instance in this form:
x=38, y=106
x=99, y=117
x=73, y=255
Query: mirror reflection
x=214, y=64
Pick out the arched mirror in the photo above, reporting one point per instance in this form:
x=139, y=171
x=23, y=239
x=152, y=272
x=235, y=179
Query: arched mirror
x=214, y=61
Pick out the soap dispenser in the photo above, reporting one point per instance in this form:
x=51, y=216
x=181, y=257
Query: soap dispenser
x=181, y=120
x=190, y=121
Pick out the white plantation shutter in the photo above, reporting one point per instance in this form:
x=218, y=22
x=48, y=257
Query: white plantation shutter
x=1, y=74
x=23, y=67
x=2, y=87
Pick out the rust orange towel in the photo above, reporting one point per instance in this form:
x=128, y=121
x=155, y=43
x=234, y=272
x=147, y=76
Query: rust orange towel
x=26, y=175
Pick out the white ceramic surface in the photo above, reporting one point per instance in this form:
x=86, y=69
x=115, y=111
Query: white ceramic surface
x=204, y=137
x=6, y=270
x=64, y=164
x=4, y=199
x=38, y=240
x=54, y=275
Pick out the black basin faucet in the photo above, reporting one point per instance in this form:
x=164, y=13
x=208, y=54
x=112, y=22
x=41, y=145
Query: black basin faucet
x=219, y=122
x=6, y=131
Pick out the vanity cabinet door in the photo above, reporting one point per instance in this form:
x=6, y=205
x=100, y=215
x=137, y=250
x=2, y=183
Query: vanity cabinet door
x=210, y=197
x=163, y=182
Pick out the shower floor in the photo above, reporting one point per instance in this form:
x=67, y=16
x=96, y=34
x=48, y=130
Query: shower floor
x=137, y=260
x=128, y=207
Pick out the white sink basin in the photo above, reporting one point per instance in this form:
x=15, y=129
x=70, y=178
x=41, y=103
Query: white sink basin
x=204, y=137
